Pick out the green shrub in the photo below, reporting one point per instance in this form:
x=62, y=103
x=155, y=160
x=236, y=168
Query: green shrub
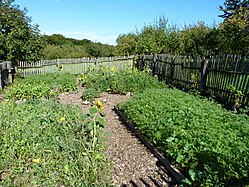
x=122, y=81
x=40, y=86
x=43, y=143
x=207, y=143
x=90, y=93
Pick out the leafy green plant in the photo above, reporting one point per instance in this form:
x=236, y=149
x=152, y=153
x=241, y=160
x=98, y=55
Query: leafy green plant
x=40, y=86
x=43, y=143
x=122, y=81
x=207, y=143
x=90, y=93
x=237, y=96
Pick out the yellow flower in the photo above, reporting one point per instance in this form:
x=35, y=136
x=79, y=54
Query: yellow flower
x=37, y=160
x=62, y=119
x=135, y=70
x=113, y=69
x=100, y=105
x=60, y=67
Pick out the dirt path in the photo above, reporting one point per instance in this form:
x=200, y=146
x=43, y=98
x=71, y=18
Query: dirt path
x=133, y=164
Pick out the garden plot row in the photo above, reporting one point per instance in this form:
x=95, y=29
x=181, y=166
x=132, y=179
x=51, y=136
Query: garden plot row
x=208, y=144
x=44, y=143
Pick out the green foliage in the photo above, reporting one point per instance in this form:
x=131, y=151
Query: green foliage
x=232, y=7
x=19, y=40
x=43, y=143
x=229, y=37
x=198, y=40
x=64, y=51
x=234, y=33
x=152, y=39
x=207, y=143
x=160, y=37
x=237, y=97
x=41, y=86
x=127, y=44
x=117, y=81
x=89, y=94
x=58, y=47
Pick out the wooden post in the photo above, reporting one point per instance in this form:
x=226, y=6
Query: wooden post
x=154, y=64
x=141, y=68
x=96, y=63
x=203, y=77
x=1, y=85
x=10, y=75
x=172, y=70
x=11, y=72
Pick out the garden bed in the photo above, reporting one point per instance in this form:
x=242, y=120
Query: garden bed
x=45, y=143
x=204, y=141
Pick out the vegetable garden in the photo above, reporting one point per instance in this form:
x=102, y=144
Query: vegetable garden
x=44, y=143
x=48, y=144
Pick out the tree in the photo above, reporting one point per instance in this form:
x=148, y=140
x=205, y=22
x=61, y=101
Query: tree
x=198, y=39
x=153, y=39
x=233, y=7
x=19, y=40
x=127, y=44
x=234, y=33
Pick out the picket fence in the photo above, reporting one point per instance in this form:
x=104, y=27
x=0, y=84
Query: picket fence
x=74, y=65
x=213, y=76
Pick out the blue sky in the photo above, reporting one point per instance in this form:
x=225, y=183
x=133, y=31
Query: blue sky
x=103, y=20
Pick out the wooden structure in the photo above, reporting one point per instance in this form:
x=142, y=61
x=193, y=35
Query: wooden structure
x=210, y=76
x=74, y=66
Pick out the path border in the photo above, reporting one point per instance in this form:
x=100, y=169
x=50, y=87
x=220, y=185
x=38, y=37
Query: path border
x=176, y=175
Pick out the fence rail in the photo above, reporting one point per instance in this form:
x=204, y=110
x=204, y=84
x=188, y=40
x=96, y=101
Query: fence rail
x=74, y=66
x=210, y=76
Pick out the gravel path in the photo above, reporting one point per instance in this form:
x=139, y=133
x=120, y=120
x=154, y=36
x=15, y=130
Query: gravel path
x=133, y=165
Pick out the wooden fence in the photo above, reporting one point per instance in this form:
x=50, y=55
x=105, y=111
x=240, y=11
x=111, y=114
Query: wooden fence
x=74, y=66
x=210, y=76
x=6, y=74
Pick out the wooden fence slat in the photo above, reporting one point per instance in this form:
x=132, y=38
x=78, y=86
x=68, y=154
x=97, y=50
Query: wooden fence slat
x=74, y=66
x=224, y=70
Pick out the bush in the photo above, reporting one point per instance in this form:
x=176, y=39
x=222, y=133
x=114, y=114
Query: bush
x=207, y=143
x=121, y=82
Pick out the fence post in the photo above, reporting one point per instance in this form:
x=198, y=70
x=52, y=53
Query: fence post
x=154, y=64
x=96, y=63
x=203, y=77
x=1, y=85
x=172, y=70
x=143, y=62
x=11, y=72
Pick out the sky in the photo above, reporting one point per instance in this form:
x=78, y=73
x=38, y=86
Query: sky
x=104, y=20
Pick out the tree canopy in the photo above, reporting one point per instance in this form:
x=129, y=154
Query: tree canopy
x=233, y=7
x=19, y=39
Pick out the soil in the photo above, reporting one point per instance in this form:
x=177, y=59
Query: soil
x=133, y=165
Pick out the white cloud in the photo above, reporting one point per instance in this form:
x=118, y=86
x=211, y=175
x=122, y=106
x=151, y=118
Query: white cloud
x=93, y=36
